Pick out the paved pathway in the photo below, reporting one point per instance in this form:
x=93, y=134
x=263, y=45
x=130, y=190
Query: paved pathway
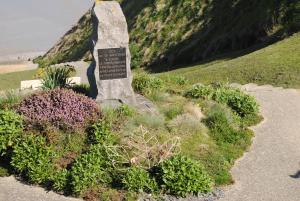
x=270, y=170
x=13, y=190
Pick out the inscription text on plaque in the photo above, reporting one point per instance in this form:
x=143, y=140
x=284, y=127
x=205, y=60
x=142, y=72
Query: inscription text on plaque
x=112, y=63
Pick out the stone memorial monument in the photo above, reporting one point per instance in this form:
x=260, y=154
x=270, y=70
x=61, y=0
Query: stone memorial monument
x=112, y=72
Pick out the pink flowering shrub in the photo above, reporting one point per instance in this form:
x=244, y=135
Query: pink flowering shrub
x=59, y=108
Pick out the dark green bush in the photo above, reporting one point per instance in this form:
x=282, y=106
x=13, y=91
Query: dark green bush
x=60, y=180
x=243, y=104
x=181, y=176
x=200, y=91
x=34, y=159
x=81, y=89
x=139, y=180
x=224, y=127
x=146, y=84
x=100, y=133
x=221, y=126
x=11, y=128
x=92, y=168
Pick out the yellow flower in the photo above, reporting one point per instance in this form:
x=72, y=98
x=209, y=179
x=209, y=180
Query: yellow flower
x=97, y=1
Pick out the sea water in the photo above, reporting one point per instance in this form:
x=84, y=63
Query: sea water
x=33, y=26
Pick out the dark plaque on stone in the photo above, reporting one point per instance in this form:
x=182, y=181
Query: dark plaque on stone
x=112, y=63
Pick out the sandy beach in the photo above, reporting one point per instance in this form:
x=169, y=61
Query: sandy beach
x=18, y=62
x=9, y=68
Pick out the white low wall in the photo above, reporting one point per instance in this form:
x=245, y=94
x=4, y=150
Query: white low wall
x=37, y=84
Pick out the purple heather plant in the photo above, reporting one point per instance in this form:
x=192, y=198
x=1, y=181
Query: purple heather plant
x=60, y=108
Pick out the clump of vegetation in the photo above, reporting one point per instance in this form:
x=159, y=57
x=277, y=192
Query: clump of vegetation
x=186, y=124
x=100, y=133
x=146, y=84
x=181, y=176
x=9, y=98
x=60, y=108
x=92, y=168
x=33, y=158
x=139, y=180
x=61, y=180
x=222, y=126
x=125, y=111
x=57, y=77
x=81, y=89
x=11, y=127
x=243, y=104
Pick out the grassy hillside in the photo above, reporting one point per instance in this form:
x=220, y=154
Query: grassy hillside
x=165, y=33
x=277, y=64
x=13, y=80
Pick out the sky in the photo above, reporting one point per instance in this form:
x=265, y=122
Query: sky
x=35, y=25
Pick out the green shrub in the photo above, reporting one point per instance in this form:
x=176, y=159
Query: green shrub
x=180, y=176
x=200, y=91
x=125, y=111
x=139, y=180
x=221, y=123
x=100, y=133
x=60, y=180
x=92, y=168
x=81, y=89
x=33, y=158
x=10, y=129
x=180, y=80
x=136, y=55
x=146, y=84
x=173, y=110
x=57, y=77
x=243, y=104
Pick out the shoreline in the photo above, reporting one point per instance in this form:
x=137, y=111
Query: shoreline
x=19, y=58
x=18, y=62
x=10, y=68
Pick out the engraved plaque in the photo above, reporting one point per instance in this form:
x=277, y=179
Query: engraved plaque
x=112, y=63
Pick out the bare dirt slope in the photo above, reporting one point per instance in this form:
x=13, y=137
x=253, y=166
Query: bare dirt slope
x=270, y=170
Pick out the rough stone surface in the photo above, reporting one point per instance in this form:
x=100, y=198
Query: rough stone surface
x=13, y=190
x=141, y=103
x=145, y=106
x=270, y=171
x=111, y=32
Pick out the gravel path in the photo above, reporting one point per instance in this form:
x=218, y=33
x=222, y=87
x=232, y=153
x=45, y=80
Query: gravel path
x=270, y=171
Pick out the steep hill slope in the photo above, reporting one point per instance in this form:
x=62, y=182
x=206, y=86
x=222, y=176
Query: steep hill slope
x=172, y=32
x=277, y=64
